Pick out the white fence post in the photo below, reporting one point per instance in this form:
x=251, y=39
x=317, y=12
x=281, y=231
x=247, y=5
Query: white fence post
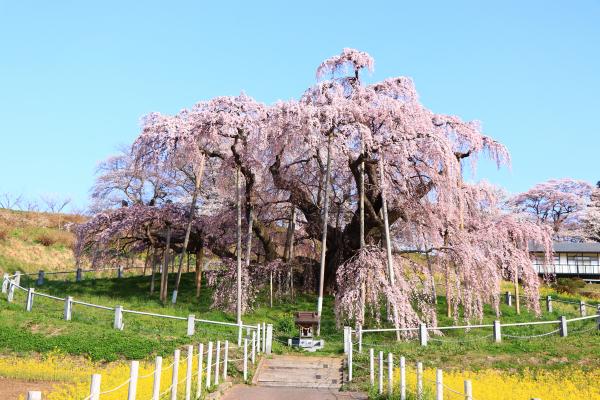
x=468, y=390
x=253, y=348
x=423, y=334
x=439, y=385
x=118, y=324
x=598, y=319
x=402, y=378
x=419, y=380
x=209, y=363
x=264, y=338
x=199, y=374
x=188, y=372
x=217, y=359
x=582, y=310
x=191, y=325
x=34, y=395
x=95, y=387
x=17, y=278
x=563, y=326
x=548, y=304
x=350, y=350
x=269, y=339
x=359, y=334
x=157, y=374
x=11, y=291
x=120, y=271
x=240, y=333
x=497, y=331
x=509, y=299
x=372, y=366
x=390, y=374
x=245, y=360
x=68, y=310
x=78, y=275
x=346, y=340
x=40, y=279
x=133, y=378
x=380, y=372
x=174, y=297
x=175, y=377
x=29, y=302
x=258, y=336
x=225, y=360
x=5, y=283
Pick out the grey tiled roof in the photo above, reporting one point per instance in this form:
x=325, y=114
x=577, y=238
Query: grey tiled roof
x=570, y=247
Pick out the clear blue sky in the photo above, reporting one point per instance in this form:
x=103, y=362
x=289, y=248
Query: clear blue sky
x=76, y=77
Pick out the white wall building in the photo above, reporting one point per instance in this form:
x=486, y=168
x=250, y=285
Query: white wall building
x=570, y=259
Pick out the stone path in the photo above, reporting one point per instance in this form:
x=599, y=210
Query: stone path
x=295, y=378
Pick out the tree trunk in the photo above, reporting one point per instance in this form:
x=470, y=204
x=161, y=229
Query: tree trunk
x=146, y=261
x=190, y=221
x=324, y=239
x=164, y=282
x=153, y=271
x=291, y=251
x=517, y=302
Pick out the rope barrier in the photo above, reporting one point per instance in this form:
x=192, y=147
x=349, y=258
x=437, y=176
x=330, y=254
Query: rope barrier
x=532, y=336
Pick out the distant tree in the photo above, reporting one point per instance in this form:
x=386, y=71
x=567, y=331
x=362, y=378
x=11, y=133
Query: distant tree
x=591, y=216
x=558, y=203
x=10, y=201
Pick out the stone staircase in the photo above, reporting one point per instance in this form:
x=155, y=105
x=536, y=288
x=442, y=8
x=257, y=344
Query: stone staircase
x=300, y=371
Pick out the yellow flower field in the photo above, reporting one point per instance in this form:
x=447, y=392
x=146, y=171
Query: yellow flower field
x=563, y=384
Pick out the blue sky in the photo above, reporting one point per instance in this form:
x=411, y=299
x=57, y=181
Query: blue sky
x=75, y=77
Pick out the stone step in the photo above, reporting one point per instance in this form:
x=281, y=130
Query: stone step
x=298, y=371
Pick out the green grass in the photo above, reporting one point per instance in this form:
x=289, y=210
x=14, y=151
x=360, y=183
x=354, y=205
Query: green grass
x=90, y=333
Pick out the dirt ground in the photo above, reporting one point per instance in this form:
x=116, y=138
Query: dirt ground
x=11, y=389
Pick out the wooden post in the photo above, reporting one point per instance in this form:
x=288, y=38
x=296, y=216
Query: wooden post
x=245, y=360
x=509, y=299
x=199, y=373
x=390, y=374
x=188, y=372
x=5, y=283
x=175, y=377
x=68, y=310
x=402, y=378
x=582, y=310
x=157, y=375
x=563, y=326
x=420, y=380
x=209, y=364
x=95, y=387
x=439, y=385
x=34, y=395
x=350, y=364
x=468, y=390
x=372, y=367
x=78, y=275
x=217, y=361
x=40, y=279
x=133, y=378
x=191, y=325
x=29, y=302
x=118, y=324
x=269, y=339
x=497, y=331
x=225, y=360
x=423, y=334
x=380, y=372
x=549, y=304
